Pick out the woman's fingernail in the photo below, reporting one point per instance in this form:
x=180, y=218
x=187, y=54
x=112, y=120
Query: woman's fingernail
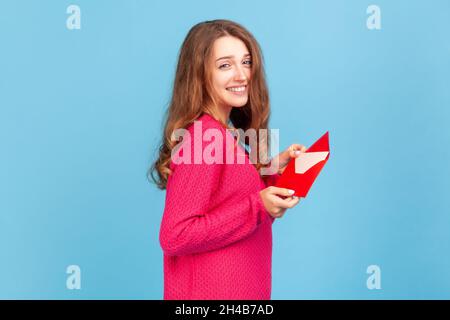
x=297, y=153
x=291, y=191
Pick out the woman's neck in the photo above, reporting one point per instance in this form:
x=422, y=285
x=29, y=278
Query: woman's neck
x=221, y=114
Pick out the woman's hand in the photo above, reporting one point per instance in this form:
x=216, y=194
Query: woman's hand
x=274, y=204
x=281, y=160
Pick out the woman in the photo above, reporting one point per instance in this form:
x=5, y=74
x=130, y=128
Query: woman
x=216, y=230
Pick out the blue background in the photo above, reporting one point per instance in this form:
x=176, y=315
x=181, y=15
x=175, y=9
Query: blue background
x=81, y=117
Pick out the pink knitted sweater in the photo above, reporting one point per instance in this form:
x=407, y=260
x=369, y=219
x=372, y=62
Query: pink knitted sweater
x=215, y=233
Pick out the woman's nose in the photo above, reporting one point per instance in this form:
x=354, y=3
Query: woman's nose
x=240, y=74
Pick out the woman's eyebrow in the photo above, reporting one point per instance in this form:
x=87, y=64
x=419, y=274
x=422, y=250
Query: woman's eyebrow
x=229, y=57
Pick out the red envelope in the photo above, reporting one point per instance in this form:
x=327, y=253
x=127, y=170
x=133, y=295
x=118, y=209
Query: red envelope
x=301, y=172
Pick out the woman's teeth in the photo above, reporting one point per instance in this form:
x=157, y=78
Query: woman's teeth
x=236, y=89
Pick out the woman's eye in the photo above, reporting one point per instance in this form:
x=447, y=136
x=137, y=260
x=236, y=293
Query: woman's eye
x=225, y=65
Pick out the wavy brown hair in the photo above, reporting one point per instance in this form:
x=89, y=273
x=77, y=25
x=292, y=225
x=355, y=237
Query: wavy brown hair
x=193, y=94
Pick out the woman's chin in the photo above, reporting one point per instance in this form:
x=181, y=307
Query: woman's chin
x=239, y=103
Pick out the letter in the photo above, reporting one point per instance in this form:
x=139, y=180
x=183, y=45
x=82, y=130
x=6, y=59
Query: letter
x=229, y=147
x=216, y=146
x=374, y=280
x=274, y=149
x=374, y=20
x=74, y=280
x=184, y=145
x=205, y=309
x=74, y=20
x=198, y=142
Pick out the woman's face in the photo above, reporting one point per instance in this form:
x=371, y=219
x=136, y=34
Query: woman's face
x=231, y=73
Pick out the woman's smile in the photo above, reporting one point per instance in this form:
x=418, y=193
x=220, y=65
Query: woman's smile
x=238, y=90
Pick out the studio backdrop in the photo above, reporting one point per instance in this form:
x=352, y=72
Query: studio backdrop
x=83, y=90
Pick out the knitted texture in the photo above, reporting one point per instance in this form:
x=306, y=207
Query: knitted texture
x=215, y=233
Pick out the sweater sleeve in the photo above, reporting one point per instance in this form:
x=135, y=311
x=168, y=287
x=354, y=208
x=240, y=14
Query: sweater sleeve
x=189, y=226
